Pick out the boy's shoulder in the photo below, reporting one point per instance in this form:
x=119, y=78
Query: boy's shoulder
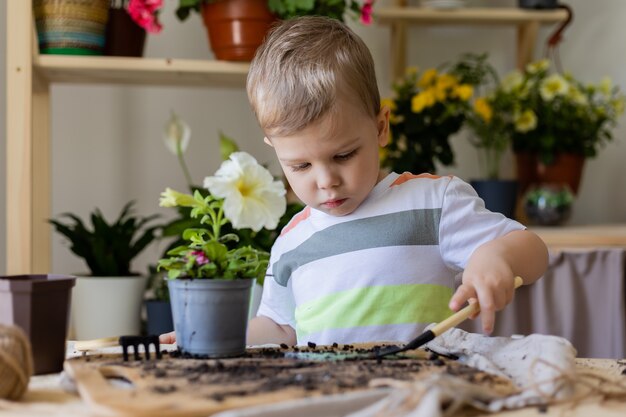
x=301, y=216
x=425, y=179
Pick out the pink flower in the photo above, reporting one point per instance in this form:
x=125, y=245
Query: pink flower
x=201, y=258
x=145, y=14
x=366, y=12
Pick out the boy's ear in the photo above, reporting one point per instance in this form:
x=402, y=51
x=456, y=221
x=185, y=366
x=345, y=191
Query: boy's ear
x=267, y=141
x=382, y=123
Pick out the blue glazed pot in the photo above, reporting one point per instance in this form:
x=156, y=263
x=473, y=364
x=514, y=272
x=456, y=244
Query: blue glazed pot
x=210, y=315
x=499, y=195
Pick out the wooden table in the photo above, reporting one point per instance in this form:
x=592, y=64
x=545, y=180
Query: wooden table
x=46, y=397
x=583, y=237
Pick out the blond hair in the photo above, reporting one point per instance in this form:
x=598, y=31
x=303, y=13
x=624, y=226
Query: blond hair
x=302, y=67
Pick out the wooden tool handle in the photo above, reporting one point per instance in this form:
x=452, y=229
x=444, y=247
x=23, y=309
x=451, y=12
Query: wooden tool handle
x=83, y=345
x=463, y=314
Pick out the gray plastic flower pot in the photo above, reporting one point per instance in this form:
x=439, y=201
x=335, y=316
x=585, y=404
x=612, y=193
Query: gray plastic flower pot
x=40, y=305
x=210, y=316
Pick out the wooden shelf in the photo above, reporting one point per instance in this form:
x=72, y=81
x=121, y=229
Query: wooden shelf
x=527, y=23
x=140, y=71
x=468, y=15
x=583, y=237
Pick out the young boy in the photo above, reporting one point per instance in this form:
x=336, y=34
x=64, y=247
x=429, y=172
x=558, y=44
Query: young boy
x=372, y=257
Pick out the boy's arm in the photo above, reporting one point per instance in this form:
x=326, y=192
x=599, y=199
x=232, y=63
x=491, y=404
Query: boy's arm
x=491, y=270
x=262, y=330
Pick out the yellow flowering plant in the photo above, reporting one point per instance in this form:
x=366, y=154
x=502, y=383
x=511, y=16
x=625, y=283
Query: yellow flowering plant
x=426, y=109
x=548, y=113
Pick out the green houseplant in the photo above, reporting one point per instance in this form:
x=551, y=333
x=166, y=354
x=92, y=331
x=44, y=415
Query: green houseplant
x=555, y=120
x=233, y=41
x=108, y=249
x=286, y=9
x=210, y=276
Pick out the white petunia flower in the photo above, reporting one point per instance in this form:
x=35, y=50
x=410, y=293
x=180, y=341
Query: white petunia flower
x=554, y=85
x=512, y=81
x=525, y=121
x=252, y=198
x=538, y=66
x=176, y=131
x=606, y=85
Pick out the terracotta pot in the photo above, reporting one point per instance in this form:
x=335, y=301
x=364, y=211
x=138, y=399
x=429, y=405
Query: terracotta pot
x=124, y=37
x=566, y=169
x=236, y=28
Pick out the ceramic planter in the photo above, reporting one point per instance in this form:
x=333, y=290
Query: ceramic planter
x=71, y=27
x=499, y=195
x=236, y=28
x=566, y=169
x=159, y=314
x=124, y=37
x=107, y=306
x=210, y=315
x=39, y=304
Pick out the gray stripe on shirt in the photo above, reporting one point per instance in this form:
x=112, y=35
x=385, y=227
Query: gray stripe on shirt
x=405, y=228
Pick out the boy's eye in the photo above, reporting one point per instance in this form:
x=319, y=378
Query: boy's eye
x=345, y=156
x=300, y=167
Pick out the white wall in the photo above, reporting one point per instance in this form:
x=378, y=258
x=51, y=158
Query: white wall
x=107, y=146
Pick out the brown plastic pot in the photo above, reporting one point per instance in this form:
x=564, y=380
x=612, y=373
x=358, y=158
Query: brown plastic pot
x=39, y=305
x=236, y=28
x=124, y=37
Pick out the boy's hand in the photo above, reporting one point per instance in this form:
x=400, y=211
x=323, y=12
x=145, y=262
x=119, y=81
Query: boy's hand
x=492, y=288
x=168, y=338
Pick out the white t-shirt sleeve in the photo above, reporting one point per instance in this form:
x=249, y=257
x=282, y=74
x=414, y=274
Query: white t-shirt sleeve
x=277, y=301
x=466, y=224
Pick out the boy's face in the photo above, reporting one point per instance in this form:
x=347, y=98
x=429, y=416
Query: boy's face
x=332, y=165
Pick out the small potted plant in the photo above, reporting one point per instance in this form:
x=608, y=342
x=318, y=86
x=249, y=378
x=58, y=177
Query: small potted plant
x=129, y=20
x=426, y=109
x=108, y=301
x=556, y=122
x=237, y=27
x=210, y=276
x=177, y=135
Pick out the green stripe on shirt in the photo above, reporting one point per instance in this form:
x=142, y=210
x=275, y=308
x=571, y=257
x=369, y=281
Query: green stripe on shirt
x=405, y=228
x=375, y=306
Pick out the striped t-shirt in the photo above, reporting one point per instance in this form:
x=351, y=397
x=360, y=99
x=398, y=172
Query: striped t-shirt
x=383, y=272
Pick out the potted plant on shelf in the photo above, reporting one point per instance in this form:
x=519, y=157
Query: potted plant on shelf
x=426, y=109
x=556, y=122
x=71, y=27
x=108, y=302
x=210, y=276
x=487, y=123
x=237, y=27
x=129, y=20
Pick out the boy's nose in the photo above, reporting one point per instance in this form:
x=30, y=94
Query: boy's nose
x=327, y=178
